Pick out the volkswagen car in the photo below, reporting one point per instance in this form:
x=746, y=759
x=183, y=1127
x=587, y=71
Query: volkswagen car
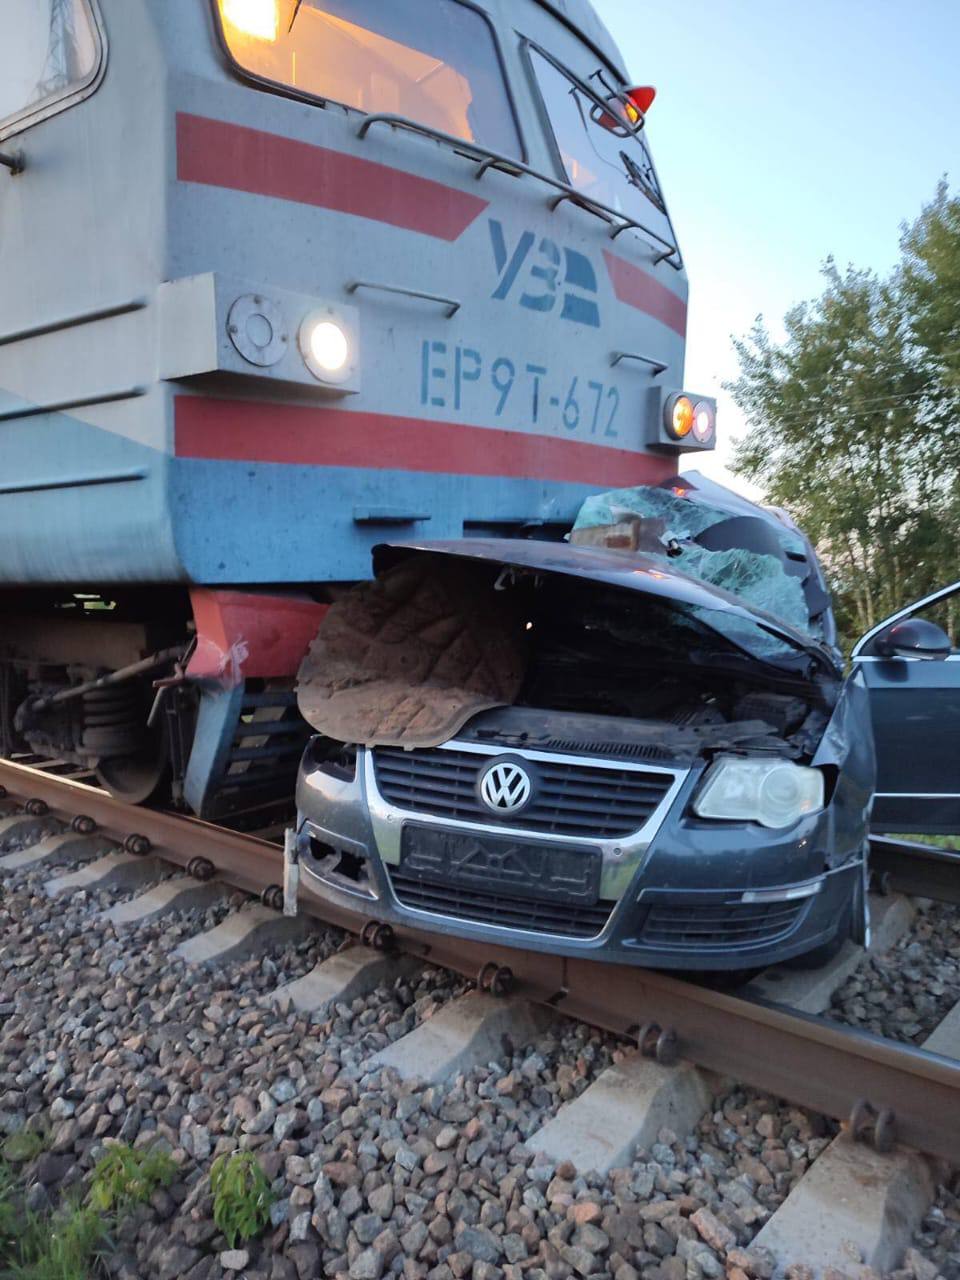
x=636, y=744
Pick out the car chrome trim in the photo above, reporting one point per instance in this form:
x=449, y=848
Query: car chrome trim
x=916, y=795
x=387, y=819
x=902, y=657
x=789, y=894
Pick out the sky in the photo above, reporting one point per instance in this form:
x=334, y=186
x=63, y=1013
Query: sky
x=784, y=132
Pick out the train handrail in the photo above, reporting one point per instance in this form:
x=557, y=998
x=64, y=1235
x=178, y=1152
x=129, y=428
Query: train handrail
x=657, y=365
x=452, y=305
x=488, y=159
x=14, y=161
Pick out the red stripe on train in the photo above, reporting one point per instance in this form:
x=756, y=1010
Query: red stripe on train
x=251, y=431
x=636, y=288
x=219, y=154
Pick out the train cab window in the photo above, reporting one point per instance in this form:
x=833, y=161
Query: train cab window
x=604, y=160
x=441, y=69
x=49, y=51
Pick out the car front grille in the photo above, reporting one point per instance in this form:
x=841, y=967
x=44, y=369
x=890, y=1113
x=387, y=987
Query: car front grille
x=675, y=926
x=563, y=919
x=571, y=799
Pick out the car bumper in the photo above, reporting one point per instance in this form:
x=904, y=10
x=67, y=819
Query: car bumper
x=687, y=894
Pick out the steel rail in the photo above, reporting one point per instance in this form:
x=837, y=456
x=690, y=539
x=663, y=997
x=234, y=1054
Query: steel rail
x=920, y=870
x=810, y=1061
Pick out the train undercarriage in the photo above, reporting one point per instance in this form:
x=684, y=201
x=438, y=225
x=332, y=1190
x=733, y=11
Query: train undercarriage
x=157, y=695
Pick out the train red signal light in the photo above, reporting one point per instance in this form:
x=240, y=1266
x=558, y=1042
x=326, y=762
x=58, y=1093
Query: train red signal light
x=641, y=97
x=626, y=110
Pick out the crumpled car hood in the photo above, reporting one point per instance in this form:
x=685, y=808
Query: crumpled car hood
x=721, y=611
x=407, y=659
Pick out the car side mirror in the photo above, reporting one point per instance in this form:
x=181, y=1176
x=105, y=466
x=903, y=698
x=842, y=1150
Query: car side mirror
x=913, y=638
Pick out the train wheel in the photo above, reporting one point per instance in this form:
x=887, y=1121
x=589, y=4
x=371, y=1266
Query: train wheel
x=139, y=777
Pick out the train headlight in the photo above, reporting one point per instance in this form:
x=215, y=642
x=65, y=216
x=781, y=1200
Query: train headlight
x=257, y=18
x=775, y=793
x=328, y=347
x=678, y=417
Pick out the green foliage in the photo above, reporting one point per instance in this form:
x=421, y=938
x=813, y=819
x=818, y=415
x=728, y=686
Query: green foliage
x=62, y=1246
x=58, y=1246
x=944, y=842
x=930, y=277
x=124, y=1177
x=241, y=1196
x=854, y=421
x=65, y=1244
x=10, y=1216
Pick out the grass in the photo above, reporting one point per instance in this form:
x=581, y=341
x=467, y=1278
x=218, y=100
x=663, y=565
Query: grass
x=241, y=1196
x=124, y=1178
x=64, y=1244
x=943, y=842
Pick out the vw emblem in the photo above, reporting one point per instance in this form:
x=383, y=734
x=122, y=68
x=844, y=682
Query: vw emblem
x=505, y=787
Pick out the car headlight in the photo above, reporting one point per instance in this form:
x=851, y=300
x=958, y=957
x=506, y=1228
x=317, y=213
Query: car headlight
x=775, y=793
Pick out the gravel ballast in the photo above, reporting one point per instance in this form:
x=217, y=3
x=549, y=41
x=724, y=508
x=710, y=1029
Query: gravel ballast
x=106, y=1037
x=906, y=992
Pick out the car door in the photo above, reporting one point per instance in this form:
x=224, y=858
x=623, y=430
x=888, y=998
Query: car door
x=915, y=707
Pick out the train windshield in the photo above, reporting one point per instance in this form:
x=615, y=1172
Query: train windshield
x=602, y=158
x=48, y=47
x=443, y=71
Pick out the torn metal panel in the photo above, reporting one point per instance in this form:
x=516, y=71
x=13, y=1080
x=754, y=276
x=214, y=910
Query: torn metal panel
x=409, y=658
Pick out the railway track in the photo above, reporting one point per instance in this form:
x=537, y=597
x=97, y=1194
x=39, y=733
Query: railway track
x=884, y=1093
x=835, y=1071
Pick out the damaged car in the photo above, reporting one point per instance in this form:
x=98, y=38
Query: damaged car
x=635, y=744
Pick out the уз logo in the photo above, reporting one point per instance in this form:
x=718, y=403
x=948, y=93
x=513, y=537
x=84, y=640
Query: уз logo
x=544, y=283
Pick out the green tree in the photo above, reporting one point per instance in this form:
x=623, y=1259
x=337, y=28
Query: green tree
x=854, y=421
x=930, y=279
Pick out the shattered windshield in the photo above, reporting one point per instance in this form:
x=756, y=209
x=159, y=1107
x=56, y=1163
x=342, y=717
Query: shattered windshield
x=735, y=546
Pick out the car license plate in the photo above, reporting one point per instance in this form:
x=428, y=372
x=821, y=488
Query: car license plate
x=547, y=873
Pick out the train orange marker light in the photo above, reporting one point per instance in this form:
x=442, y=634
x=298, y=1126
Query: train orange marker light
x=679, y=417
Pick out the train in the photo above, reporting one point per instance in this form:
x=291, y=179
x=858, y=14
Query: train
x=283, y=280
